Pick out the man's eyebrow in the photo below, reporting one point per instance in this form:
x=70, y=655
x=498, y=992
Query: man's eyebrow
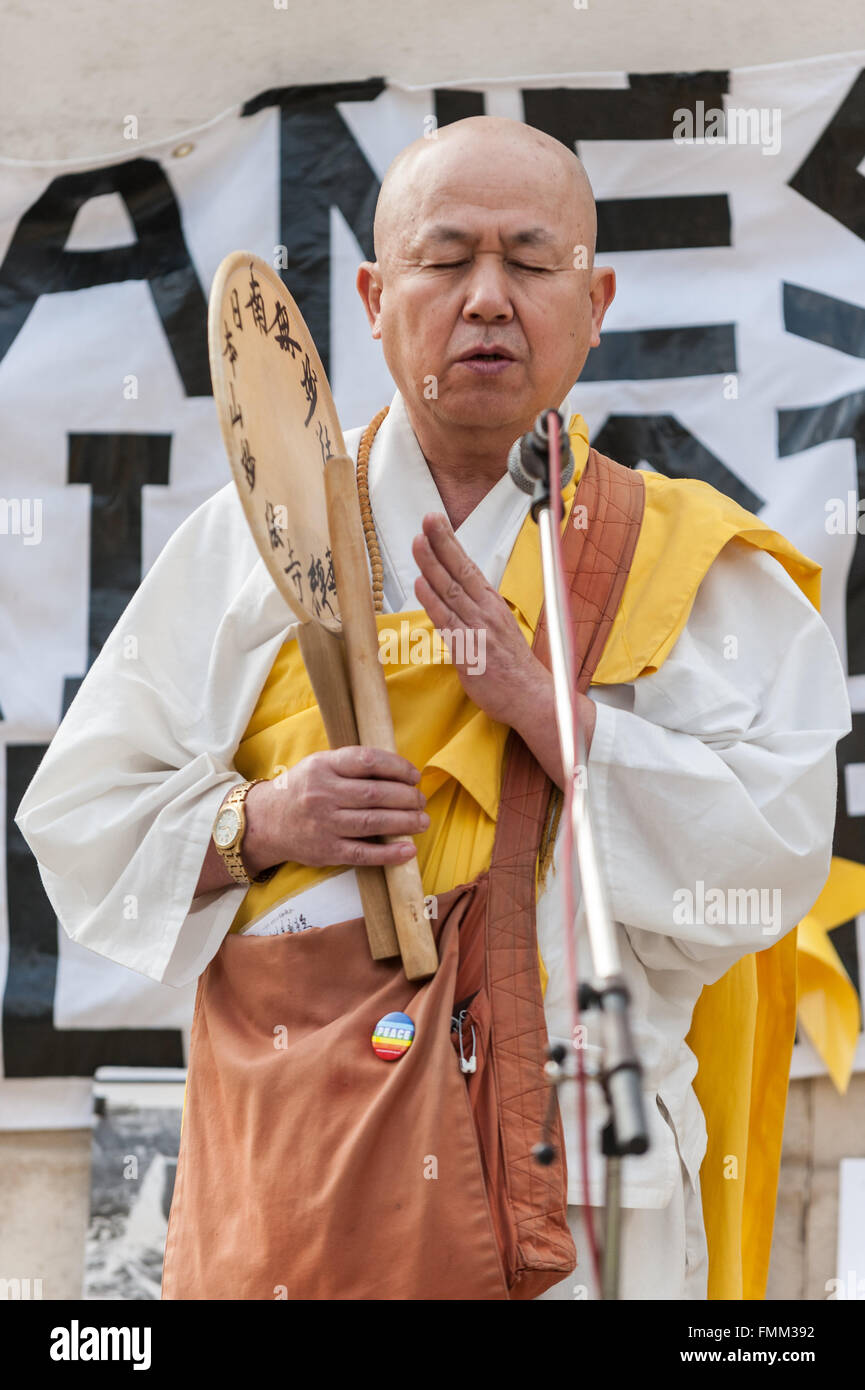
x=443, y=233
x=532, y=236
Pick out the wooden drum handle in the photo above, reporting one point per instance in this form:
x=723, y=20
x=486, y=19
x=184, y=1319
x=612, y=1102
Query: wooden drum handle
x=323, y=655
x=369, y=691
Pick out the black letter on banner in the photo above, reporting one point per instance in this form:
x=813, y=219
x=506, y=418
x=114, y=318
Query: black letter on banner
x=646, y=110
x=453, y=104
x=828, y=176
x=805, y=428
x=116, y=467
x=656, y=354
x=321, y=166
x=32, y=1046
x=37, y=262
x=671, y=449
x=820, y=318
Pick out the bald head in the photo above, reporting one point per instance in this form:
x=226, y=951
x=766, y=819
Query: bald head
x=481, y=151
x=484, y=290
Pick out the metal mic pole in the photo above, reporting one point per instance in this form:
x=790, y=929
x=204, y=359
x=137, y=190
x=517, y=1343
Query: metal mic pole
x=620, y=1074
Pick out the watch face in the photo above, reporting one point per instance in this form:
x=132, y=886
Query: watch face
x=227, y=827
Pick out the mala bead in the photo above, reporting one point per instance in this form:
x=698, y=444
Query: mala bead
x=366, y=509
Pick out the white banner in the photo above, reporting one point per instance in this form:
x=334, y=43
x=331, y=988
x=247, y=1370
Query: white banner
x=732, y=206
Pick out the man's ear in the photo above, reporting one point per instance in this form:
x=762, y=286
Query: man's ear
x=369, y=287
x=602, y=291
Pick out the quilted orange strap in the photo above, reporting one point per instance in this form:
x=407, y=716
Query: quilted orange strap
x=597, y=559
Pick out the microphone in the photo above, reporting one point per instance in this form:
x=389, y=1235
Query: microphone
x=528, y=459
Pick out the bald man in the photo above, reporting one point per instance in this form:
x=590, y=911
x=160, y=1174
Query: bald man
x=486, y=300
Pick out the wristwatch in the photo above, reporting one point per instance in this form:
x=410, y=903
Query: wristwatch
x=229, y=829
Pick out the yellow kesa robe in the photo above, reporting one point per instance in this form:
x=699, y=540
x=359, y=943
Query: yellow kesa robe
x=743, y=1026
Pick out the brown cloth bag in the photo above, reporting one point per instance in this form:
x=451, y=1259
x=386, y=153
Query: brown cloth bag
x=311, y=1169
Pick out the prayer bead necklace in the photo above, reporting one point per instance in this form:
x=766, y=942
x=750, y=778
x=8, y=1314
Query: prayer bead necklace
x=366, y=509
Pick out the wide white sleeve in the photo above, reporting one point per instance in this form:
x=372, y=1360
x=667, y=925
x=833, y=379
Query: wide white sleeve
x=719, y=773
x=121, y=808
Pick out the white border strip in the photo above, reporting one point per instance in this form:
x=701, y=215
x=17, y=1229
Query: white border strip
x=597, y=79
x=602, y=79
x=84, y=160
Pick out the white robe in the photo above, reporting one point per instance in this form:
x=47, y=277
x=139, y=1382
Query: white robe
x=710, y=770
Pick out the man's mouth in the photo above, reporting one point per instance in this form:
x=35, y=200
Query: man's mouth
x=484, y=355
x=487, y=361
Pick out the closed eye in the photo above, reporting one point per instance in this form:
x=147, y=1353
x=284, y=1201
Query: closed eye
x=536, y=270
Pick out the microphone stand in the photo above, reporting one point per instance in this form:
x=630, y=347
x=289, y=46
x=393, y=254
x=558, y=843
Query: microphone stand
x=625, y=1131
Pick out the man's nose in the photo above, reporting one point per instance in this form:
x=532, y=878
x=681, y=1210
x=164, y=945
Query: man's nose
x=488, y=294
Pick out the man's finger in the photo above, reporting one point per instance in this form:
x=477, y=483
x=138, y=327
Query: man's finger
x=360, y=853
x=359, y=760
x=360, y=824
x=357, y=793
x=458, y=606
x=441, y=616
x=453, y=558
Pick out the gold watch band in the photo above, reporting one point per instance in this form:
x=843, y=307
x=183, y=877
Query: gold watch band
x=231, y=855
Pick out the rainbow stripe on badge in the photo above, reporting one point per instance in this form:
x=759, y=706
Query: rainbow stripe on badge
x=392, y=1037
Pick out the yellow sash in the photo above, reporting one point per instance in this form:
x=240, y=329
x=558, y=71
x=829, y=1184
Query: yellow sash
x=743, y=1026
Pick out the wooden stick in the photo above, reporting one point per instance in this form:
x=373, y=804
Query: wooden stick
x=371, y=705
x=323, y=655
